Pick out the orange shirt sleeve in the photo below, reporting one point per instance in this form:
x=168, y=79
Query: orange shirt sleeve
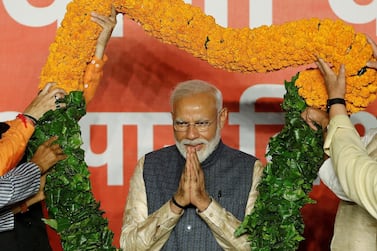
x=13, y=143
x=92, y=77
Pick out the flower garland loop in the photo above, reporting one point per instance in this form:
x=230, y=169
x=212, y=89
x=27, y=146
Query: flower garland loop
x=262, y=49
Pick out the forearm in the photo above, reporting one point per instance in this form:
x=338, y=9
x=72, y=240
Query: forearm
x=13, y=143
x=19, y=184
x=93, y=76
x=223, y=225
x=357, y=172
x=22, y=207
x=149, y=234
x=141, y=231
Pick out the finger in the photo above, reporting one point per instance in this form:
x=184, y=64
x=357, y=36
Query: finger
x=189, y=166
x=50, y=140
x=319, y=65
x=54, y=146
x=58, y=91
x=196, y=158
x=186, y=171
x=312, y=126
x=373, y=44
x=95, y=15
x=61, y=157
x=57, y=106
x=113, y=12
x=47, y=88
x=342, y=73
x=326, y=67
x=62, y=105
x=195, y=164
x=59, y=95
x=372, y=64
x=99, y=19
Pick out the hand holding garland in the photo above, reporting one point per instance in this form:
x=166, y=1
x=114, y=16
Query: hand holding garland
x=107, y=23
x=94, y=72
x=372, y=64
x=336, y=88
x=354, y=167
x=45, y=101
x=83, y=208
x=45, y=157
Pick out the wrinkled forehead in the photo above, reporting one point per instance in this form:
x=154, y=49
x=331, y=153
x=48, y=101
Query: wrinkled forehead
x=198, y=105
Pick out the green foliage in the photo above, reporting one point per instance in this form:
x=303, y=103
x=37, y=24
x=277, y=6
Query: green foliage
x=296, y=154
x=73, y=211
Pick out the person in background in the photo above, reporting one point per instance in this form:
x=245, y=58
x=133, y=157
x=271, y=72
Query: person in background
x=192, y=195
x=351, y=171
x=19, y=182
x=25, y=180
x=29, y=232
x=14, y=141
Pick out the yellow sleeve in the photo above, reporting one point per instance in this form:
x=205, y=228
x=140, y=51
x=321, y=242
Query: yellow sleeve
x=13, y=143
x=92, y=77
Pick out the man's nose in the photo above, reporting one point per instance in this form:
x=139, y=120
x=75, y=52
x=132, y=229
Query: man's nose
x=192, y=132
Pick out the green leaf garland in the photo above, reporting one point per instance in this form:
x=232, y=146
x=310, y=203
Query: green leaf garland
x=296, y=154
x=73, y=211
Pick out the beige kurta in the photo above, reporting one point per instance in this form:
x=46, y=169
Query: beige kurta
x=141, y=231
x=355, y=165
x=354, y=230
x=356, y=170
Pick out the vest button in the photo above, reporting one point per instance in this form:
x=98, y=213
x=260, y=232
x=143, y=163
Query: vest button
x=188, y=228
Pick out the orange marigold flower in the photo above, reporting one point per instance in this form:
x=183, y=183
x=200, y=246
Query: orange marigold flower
x=262, y=49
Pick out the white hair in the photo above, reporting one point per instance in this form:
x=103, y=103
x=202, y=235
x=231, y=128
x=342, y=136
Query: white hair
x=191, y=87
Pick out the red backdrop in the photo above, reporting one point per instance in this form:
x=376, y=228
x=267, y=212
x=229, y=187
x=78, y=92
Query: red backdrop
x=129, y=114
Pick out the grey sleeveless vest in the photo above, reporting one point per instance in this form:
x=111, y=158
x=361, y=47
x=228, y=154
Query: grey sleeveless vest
x=228, y=175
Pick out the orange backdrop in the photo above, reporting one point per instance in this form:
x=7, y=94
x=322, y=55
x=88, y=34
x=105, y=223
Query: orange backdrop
x=129, y=114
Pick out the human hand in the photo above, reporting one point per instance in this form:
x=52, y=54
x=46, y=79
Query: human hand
x=315, y=117
x=372, y=64
x=48, y=154
x=198, y=194
x=39, y=196
x=191, y=189
x=107, y=24
x=182, y=196
x=45, y=101
x=335, y=84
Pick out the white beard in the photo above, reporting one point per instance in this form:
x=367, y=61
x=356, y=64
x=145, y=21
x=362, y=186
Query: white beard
x=209, y=146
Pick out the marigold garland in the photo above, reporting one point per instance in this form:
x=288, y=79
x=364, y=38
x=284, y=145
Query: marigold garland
x=263, y=49
x=74, y=45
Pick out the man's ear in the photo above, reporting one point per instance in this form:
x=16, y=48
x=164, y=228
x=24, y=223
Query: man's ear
x=223, y=117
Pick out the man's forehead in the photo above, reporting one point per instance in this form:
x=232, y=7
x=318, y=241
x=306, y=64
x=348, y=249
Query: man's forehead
x=197, y=99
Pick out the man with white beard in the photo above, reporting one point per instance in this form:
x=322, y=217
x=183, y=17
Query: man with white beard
x=192, y=195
